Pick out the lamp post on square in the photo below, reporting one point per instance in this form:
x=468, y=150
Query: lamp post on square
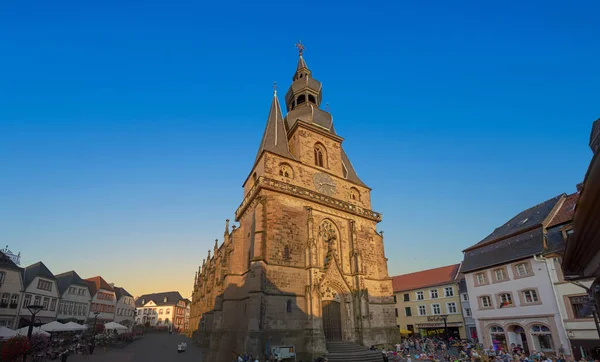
x=33, y=309
x=445, y=318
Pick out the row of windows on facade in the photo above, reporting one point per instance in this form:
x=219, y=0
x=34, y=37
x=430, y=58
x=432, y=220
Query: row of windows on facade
x=72, y=308
x=499, y=274
x=154, y=311
x=436, y=309
x=98, y=307
x=541, y=334
x=77, y=291
x=505, y=299
x=125, y=312
x=46, y=302
x=433, y=294
x=6, y=298
x=151, y=320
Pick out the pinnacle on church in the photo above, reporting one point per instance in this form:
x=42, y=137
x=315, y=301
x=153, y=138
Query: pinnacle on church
x=275, y=135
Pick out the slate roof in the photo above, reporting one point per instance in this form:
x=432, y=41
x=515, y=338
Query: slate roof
x=425, y=278
x=7, y=263
x=120, y=292
x=515, y=248
x=522, y=221
x=275, y=135
x=566, y=212
x=35, y=270
x=159, y=298
x=96, y=283
x=67, y=279
x=462, y=286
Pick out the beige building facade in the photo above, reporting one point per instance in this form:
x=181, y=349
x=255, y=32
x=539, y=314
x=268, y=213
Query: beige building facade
x=428, y=303
x=306, y=265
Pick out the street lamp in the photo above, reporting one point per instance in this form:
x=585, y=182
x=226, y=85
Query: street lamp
x=96, y=314
x=445, y=318
x=33, y=309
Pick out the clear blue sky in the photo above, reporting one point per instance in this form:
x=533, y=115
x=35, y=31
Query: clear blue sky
x=127, y=129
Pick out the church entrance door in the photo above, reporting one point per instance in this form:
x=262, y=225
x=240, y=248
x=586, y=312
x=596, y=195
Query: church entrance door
x=332, y=320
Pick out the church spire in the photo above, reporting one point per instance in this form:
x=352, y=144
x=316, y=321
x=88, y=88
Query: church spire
x=275, y=136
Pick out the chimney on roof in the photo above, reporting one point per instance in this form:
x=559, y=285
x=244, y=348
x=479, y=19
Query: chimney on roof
x=112, y=284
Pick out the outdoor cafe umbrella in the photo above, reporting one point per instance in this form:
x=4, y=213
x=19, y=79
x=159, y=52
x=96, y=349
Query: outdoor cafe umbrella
x=6, y=333
x=113, y=325
x=55, y=327
x=75, y=326
x=36, y=330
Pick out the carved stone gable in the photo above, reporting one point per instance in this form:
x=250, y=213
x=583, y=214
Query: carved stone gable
x=333, y=277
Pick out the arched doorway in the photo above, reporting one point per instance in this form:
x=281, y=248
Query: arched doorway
x=517, y=336
x=542, y=338
x=332, y=320
x=498, y=338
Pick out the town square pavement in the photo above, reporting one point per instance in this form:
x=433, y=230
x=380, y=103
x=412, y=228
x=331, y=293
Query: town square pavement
x=154, y=347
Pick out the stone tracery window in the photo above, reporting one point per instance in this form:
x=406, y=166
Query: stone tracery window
x=285, y=170
x=320, y=155
x=354, y=194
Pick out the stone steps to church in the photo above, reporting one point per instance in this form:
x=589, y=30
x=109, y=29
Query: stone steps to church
x=351, y=352
x=355, y=357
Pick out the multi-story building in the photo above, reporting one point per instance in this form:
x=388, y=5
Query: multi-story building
x=186, y=323
x=103, y=301
x=582, y=254
x=510, y=286
x=165, y=308
x=428, y=302
x=470, y=326
x=75, y=298
x=125, y=310
x=40, y=288
x=11, y=285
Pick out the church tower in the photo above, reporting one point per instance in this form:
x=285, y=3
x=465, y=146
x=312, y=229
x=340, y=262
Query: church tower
x=306, y=265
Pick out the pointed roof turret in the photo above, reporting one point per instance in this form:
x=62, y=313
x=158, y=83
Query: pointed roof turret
x=275, y=136
x=226, y=233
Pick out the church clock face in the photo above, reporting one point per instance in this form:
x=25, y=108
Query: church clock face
x=324, y=183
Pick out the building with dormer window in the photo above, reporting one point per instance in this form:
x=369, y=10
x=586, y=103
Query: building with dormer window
x=40, y=288
x=103, y=301
x=161, y=309
x=75, y=298
x=11, y=285
x=510, y=283
x=125, y=309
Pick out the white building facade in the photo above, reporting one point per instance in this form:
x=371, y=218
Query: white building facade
x=11, y=285
x=125, y=308
x=519, y=309
x=40, y=288
x=511, y=292
x=74, y=304
x=161, y=309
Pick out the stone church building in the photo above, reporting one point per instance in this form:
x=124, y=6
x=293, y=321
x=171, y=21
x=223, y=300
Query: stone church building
x=306, y=264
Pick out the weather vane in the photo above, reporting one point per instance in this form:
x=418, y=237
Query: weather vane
x=300, y=47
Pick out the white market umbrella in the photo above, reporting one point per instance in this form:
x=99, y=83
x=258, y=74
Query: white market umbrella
x=36, y=330
x=55, y=327
x=75, y=326
x=6, y=333
x=117, y=326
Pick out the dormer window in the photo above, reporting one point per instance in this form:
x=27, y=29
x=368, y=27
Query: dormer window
x=165, y=300
x=143, y=301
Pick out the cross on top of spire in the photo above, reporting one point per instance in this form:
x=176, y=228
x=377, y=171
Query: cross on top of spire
x=275, y=87
x=300, y=47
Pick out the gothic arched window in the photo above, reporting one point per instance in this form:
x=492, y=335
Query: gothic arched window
x=285, y=170
x=320, y=155
x=354, y=194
